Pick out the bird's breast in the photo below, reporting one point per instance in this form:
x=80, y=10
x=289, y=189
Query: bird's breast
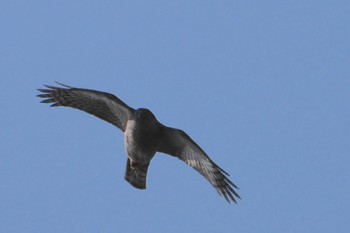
x=139, y=141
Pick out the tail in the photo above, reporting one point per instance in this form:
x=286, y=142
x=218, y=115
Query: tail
x=136, y=174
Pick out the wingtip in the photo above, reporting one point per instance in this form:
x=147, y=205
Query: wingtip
x=46, y=101
x=53, y=87
x=64, y=85
x=50, y=87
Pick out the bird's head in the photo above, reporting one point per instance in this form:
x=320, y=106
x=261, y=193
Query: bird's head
x=145, y=114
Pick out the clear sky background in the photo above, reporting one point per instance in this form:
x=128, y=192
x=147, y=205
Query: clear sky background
x=262, y=86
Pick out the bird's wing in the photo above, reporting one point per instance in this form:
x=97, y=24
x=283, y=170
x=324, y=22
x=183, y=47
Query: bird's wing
x=177, y=143
x=103, y=105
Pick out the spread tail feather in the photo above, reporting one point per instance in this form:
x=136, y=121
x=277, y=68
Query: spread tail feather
x=136, y=174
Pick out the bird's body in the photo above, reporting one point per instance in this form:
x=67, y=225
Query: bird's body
x=144, y=136
x=140, y=151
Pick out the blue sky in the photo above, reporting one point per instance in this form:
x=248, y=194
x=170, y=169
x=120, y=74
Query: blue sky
x=262, y=86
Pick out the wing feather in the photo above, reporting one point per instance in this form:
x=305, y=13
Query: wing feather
x=100, y=104
x=177, y=143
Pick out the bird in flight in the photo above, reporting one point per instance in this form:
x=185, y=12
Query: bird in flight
x=144, y=136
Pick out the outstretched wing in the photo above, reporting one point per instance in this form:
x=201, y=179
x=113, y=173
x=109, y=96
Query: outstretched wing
x=177, y=143
x=103, y=105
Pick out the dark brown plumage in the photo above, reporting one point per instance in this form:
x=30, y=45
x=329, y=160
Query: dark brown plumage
x=144, y=136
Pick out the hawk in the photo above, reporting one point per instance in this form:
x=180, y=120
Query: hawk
x=144, y=136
